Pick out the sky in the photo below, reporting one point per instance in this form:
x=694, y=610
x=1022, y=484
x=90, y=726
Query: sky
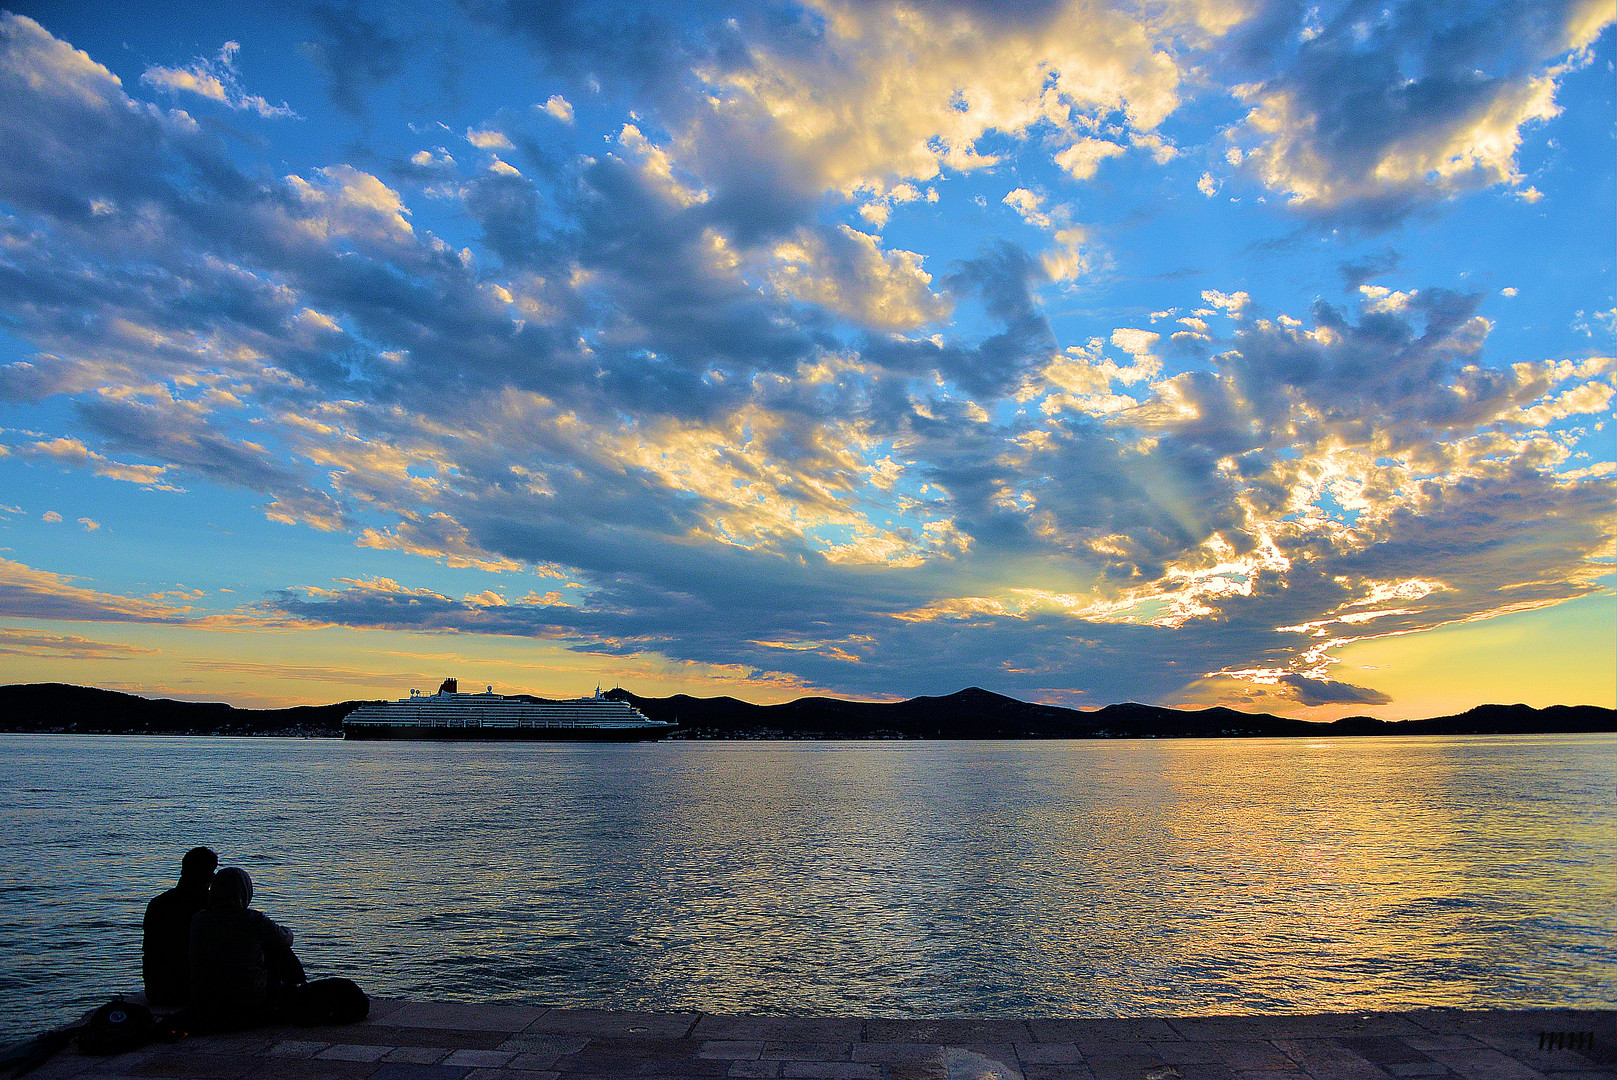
x=1191, y=352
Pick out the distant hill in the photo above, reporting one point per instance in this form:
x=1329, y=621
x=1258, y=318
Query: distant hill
x=972, y=713
x=975, y=713
x=60, y=707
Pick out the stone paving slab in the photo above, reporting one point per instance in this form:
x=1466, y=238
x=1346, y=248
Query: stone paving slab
x=949, y=1032
x=456, y=1017
x=381, y=1035
x=606, y=1024
x=417, y=1040
x=779, y=1029
x=1102, y=1030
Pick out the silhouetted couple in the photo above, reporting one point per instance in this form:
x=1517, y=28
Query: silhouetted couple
x=234, y=966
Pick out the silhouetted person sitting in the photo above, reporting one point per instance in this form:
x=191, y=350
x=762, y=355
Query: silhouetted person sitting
x=242, y=965
x=165, y=949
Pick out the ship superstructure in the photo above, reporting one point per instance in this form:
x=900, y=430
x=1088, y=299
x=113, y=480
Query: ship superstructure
x=449, y=714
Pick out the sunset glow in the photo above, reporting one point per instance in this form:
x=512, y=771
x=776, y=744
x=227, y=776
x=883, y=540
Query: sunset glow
x=1192, y=353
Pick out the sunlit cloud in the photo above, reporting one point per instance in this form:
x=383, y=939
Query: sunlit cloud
x=1343, y=127
x=27, y=593
x=835, y=353
x=215, y=79
x=927, y=84
x=560, y=108
x=15, y=641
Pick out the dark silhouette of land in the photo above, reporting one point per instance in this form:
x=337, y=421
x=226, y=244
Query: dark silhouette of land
x=975, y=713
x=972, y=713
x=60, y=707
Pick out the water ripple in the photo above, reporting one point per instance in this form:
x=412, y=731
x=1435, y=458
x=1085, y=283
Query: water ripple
x=1086, y=878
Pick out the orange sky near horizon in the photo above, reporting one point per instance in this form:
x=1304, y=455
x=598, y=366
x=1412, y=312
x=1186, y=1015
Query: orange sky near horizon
x=1202, y=353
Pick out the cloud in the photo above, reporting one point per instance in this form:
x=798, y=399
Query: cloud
x=1073, y=255
x=1372, y=118
x=74, y=452
x=31, y=52
x=436, y=160
x=356, y=54
x=847, y=272
x=217, y=80
x=1604, y=321
x=15, y=641
x=878, y=208
x=1137, y=343
x=297, y=673
x=869, y=95
x=185, y=440
x=436, y=536
x=1082, y=159
x=346, y=202
x=560, y=108
x=1358, y=272
x=728, y=428
x=1028, y=204
x=1232, y=303
x=1216, y=534
x=635, y=47
x=27, y=593
x=1001, y=277
x=89, y=524
x=488, y=139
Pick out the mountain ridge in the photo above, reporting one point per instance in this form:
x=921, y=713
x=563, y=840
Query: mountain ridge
x=977, y=713
x=970, y=713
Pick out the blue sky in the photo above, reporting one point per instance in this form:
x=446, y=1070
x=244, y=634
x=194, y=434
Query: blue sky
x=1201, y=352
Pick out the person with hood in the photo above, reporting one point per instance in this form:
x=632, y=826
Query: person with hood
x=165, y=948
x=242, y=964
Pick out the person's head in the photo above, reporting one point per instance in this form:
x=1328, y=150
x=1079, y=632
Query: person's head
x=198, y=865
x=231, y=888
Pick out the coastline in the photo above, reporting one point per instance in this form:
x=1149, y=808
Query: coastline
x=446, y=1041
x=970, y=714
x=797, y=737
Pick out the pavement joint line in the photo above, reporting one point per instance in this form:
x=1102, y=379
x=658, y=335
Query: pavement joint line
x=1457, y=1044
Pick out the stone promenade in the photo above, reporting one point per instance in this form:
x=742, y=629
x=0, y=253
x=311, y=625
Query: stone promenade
x=417, y=1040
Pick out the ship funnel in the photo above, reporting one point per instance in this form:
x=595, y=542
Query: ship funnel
x=450, y=686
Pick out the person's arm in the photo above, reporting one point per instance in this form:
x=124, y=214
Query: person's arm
x=285, y=969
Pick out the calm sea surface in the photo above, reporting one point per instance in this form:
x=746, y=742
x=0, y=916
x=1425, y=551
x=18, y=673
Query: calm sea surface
x=1013, y=878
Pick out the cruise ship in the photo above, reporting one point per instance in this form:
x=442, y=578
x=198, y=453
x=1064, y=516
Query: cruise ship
x=449, y=714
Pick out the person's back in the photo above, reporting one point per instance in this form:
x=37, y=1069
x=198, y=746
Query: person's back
x=241, y=961
x=166, y=930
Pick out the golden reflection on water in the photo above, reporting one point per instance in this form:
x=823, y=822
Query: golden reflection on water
x=1076, y=878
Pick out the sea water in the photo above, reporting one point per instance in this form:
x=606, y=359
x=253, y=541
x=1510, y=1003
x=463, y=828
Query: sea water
x=1070, y=878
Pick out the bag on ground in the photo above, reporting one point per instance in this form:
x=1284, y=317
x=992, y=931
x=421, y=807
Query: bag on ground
x=327, y=1001
x=117, y=1026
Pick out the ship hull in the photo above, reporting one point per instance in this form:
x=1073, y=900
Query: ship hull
x=505, y=734
x=450, y=716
